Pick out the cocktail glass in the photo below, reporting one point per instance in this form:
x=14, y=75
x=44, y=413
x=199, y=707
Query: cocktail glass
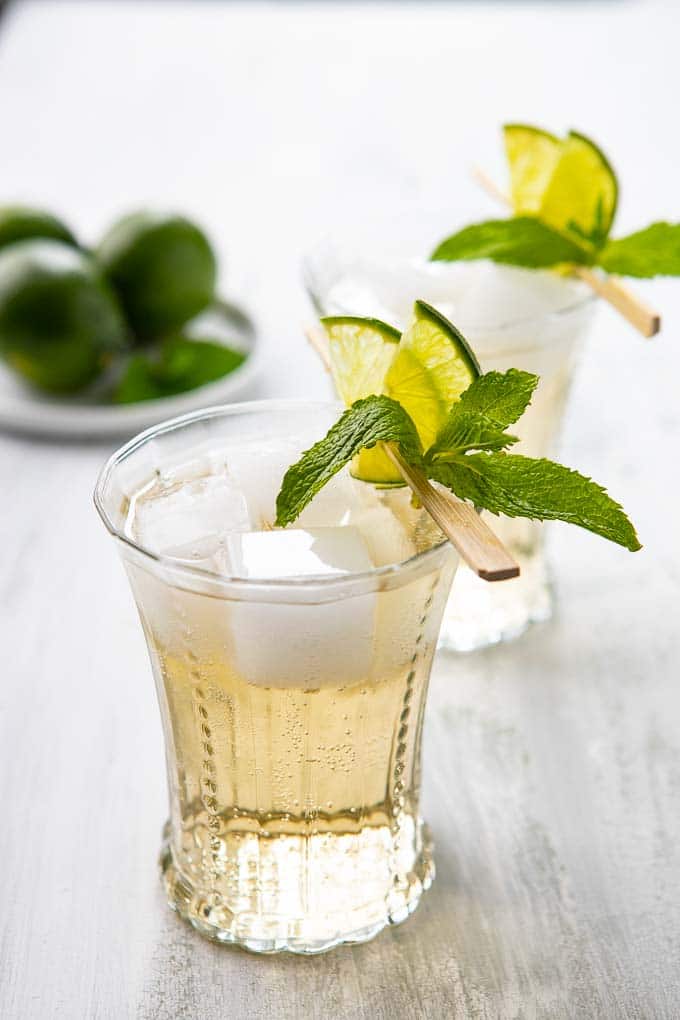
x=513, y=318
x=292, y=706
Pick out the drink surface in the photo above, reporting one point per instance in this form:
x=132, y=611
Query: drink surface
x=294, y=723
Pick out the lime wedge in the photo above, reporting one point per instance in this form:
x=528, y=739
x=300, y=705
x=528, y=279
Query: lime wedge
x=582, y=193
x=569, y=184
x=426, y=371
x=362, y=351
x=432, y=367
x=532, y=156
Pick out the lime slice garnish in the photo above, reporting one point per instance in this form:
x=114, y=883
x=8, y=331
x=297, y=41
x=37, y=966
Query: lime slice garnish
x=582, y=193
x=433, y=366
x=361, y=351
x=532, y=156
x=569, y=184
x=376, y=467
x=426, y=371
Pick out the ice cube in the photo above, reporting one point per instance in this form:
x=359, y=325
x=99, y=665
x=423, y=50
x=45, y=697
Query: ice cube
x=473, y=295
x=311, y=645
x=385, y=536
x=188, y=511
x=295, y=552
x=257, y=470
x=358, y=297
x=338, y=501
x=387, y=289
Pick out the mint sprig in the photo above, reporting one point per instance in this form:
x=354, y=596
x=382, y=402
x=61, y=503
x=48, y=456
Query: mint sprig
x=367, y=422
x=523, y=487
x=521, y=241
x=534, y=238
x=525, y=241
x=478, y=420
x=467, y=457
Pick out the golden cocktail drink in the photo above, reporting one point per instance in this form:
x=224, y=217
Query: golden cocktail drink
x=292, y=669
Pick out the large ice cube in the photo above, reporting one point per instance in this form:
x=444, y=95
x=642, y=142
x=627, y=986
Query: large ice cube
x=295, y=552
x=279, y=644
x=188, y=511
x=257, y=470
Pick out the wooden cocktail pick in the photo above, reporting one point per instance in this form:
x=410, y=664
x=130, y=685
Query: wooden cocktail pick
x=474, y=540
x=645, y=320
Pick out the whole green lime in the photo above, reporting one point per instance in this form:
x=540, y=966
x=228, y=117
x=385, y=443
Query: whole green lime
x=163, y=269
x=59, y=319
x=20, y=222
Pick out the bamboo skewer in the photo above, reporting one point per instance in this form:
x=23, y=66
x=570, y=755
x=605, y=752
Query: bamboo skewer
x=474, y=540
x=477, y=544
x=645, y=320
x=488, y=184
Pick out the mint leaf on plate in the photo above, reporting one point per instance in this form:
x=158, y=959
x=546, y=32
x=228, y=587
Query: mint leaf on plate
x=654, y=251
x=486, y=408
x=367, y=422
x=520, y=241
x=523, y=487
x=177, y=366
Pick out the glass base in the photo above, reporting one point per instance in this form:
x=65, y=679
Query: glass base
x=266, y=877
x=480, y=614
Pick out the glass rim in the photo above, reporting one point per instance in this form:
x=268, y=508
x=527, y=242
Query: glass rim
x=366, y=580
x=499, y=326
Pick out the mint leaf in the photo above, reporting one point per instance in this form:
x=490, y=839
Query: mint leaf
x=522, y=487
x=369, y=421
x=520, y=241
x=468, y=456
x=176, y=366
x=487, y=407
x=654, y=251
x=469, y=431
x=501, y=396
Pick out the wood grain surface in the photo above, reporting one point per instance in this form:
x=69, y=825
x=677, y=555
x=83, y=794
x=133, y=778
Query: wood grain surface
x=552, y=765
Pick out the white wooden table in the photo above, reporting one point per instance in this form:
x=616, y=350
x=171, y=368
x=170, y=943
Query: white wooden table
x=552, y=765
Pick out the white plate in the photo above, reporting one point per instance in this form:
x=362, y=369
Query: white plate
x=26, y=410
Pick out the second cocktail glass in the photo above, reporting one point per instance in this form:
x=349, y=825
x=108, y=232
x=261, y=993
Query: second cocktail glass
x=518, y=318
